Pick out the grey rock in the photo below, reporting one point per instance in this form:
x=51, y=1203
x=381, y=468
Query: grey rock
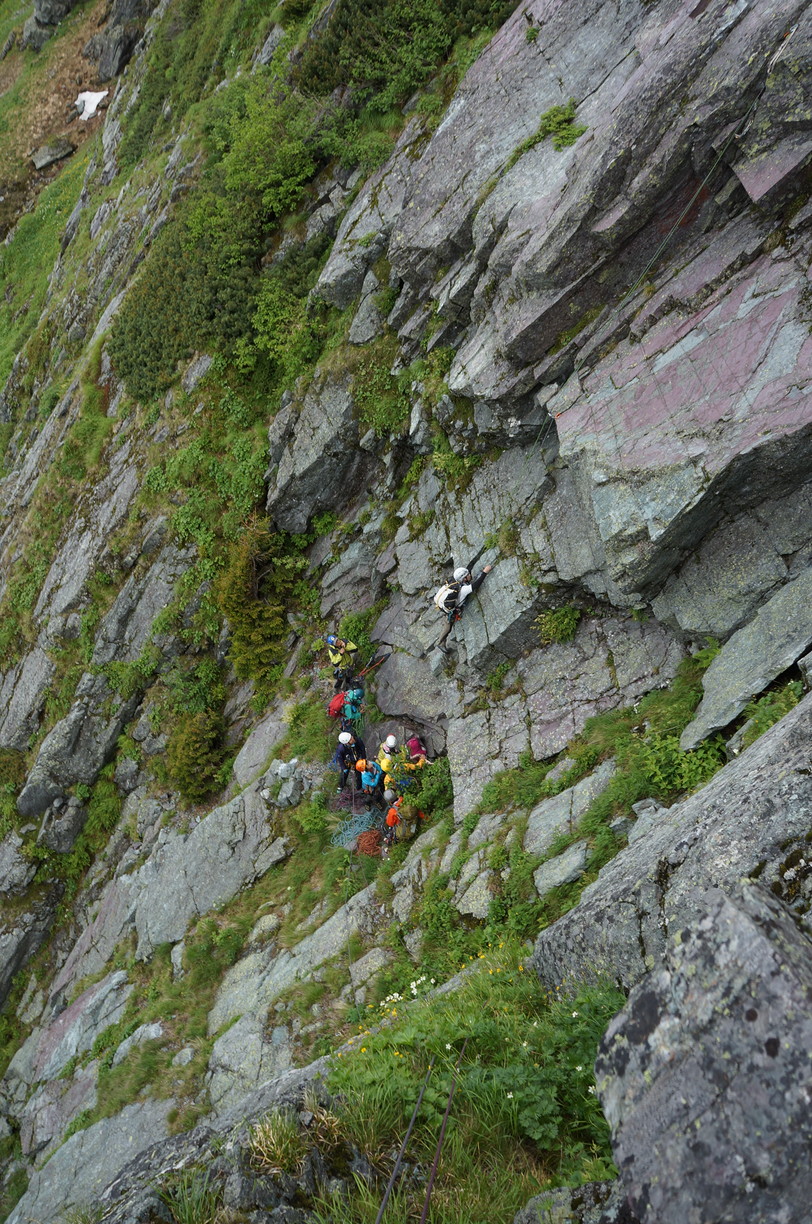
x=273, y=40
x=702, y=1074
x=34, y=36
x=561, y=812
x=195, y=372
x=16, y=871
x=51, y=12
x=144, y=1032
x=185, y=876
x=368, y=965
x=176, y=957
x=125, y=629
x=76, y=748
x=56, y=151
x=184, y=1057
x=368, y=322
x=751, y=817
x=21, y=937
x=562, y=869
x=79, y=1171
x=255, y=752
x=648, y=813
x=778, y=634
x=323, y=468
x=76, y=1028
x=53, y=1107
x=256, y=981
x=61, y=825
x=594, y=1203
x=477, y=897
x=243, y=1058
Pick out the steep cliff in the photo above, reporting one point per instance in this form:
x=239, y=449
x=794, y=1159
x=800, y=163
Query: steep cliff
x=326, y=302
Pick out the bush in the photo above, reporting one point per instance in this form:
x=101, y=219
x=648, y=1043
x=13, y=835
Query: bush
x=251, y=591
x=558, y=625
x=194, y=755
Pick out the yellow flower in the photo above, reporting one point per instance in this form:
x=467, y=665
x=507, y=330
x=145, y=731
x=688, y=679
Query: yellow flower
x=363, y=1049
x=521, y=968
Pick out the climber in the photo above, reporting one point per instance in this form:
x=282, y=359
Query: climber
x=371, y=777
x=386, y=752
x=342, y=656
x=350, y=749
x=451, y=597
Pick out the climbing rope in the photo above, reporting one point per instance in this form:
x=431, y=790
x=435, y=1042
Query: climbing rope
x=402, y=1152
x=349, y=829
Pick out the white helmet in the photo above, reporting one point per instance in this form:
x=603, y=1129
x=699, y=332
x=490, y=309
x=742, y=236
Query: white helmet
x=460, y=573
x=345, y=738
x=389, y=795
x=390, y=741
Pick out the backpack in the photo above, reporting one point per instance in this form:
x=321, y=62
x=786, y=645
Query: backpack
x=415, y=747
x=446, y=597
x=336, y=705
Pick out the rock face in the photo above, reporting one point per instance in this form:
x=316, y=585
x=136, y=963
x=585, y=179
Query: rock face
x=80, y=1170
x=747, y=820
x=704, y=1075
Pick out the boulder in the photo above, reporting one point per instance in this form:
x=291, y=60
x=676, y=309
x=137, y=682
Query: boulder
x=56, y=151
x=751, y=818
x=563, y=869
x=774, y=639
x=594, y=1203
x=144, y=1032
x=51, y=12
x=34, y=36
x=704, y=1075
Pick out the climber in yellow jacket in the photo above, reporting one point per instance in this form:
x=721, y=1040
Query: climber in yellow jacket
x=342, y=657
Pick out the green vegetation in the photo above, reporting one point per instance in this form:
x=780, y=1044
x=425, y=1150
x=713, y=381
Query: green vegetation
x=524, y=1112
x=26, y=262
x=559, y=124
x=558, y=625
x=767, y=710
x=381, y=402
x=193, y=1196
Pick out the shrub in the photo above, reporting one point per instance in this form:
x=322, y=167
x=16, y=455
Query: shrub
x=558, y=625
x=251, y=591
x=195, y=753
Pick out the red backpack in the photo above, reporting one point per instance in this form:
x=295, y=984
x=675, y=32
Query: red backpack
x=415, y=747
x=336, y=705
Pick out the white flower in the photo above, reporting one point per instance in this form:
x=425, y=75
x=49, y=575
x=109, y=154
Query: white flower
x=448, y=1045
x=510, y=1096
x=591, y=1089
x=574, y=1014
x=524, y=1045
x=579, y=1068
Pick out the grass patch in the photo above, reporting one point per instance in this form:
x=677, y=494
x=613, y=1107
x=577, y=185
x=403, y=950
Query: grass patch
x=525, y=1113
